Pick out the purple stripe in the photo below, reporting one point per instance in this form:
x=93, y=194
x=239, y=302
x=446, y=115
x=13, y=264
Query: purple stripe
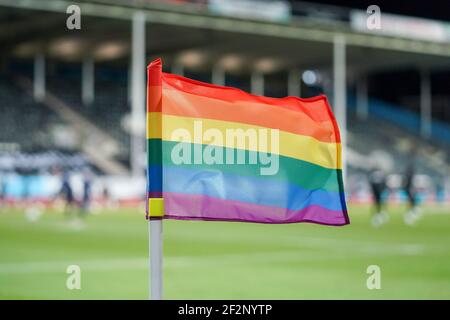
x=199, y=207
x=154, y=194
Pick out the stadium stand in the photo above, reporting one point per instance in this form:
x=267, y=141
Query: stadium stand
x=21, y=115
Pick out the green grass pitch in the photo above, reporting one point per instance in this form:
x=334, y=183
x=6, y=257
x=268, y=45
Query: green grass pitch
x=226, y=260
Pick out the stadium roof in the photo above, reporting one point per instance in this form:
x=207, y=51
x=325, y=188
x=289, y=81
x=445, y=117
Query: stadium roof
x=172, y=29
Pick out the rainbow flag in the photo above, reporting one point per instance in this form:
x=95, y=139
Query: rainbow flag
x=218, y=153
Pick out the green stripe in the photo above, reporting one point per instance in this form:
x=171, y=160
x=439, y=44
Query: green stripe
x=294, y=171
x=154, y=151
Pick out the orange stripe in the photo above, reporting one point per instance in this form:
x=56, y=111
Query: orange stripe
x=181, y=103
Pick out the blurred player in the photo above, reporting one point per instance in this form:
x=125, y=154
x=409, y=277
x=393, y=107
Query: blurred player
x=414, y=212
x=66, y=193
x=87, y=186
x=107, y=203
x=377, y=181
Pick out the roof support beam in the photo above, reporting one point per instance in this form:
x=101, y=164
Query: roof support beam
x=39, y=76
x=138, y=68
x=257, y=83
x=218, y=75
x=362, y=99
x=425, y=104
x=88, y=80
x=340, y=92
x=294, y=83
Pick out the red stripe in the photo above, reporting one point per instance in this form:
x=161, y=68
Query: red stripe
x=315, y=107
x=154, y=87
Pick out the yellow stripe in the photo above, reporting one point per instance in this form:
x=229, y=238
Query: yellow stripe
x=306, y=148
x=156, y=207
x=154, y=125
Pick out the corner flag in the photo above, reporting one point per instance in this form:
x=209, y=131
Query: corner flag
x=218, y=153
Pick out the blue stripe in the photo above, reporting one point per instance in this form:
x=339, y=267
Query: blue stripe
x=154, y=177
x=258, y=190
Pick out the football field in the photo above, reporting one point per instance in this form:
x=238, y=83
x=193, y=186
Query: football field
x=225, y=260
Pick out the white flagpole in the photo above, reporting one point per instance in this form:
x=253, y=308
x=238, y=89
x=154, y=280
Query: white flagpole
x=156, y=259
